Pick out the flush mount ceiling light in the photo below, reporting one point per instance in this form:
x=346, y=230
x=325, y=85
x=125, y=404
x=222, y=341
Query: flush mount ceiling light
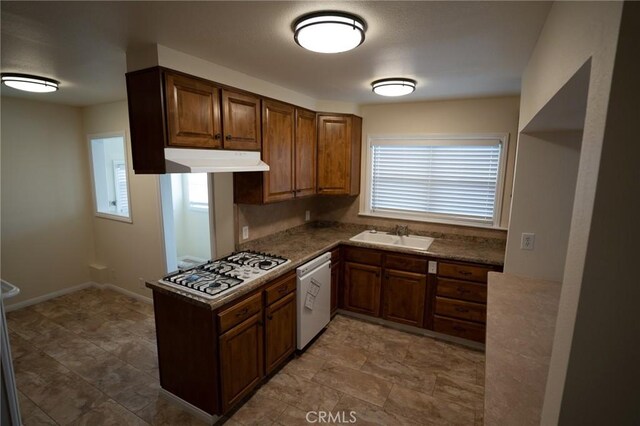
x=329, y=32
x=30, y=83
x=393, y=86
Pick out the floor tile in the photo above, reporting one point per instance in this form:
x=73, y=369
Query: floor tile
x=355, y=383
x=464, y=393
x=398, y=372
x=108, y=413
x=259, y=410
x=364, y=413
x=427, y=409
x=163, y=413
x=432, y=360
x=306, y=365
x=300, y=392
x=31, y=414
x=339, y=353
x=293, y=416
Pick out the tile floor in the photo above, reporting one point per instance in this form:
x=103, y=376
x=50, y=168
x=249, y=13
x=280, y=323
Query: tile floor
x=89, y=358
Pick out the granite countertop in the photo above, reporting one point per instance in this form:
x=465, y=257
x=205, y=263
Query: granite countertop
x=521, y=318
x=306, y=242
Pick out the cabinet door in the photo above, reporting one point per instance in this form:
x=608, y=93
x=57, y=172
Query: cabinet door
x=362, y=288
x=241, y=360
x=334, y=155
x=335, y=285
x=193, y=112
x=305, y=153
x=280, y=333
x=241, y=121
x=278, y=150
x=404, y=296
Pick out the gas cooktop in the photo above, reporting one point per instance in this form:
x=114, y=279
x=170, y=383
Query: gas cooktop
x=211, y=279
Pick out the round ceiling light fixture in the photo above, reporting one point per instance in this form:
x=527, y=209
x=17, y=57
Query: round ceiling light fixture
x=393, y=86
x=329, y=32
x=30, y=83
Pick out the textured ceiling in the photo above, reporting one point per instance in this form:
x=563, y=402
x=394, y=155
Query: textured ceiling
x=453, y=49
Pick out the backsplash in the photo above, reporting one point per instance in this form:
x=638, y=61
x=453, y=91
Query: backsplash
x=271, y=218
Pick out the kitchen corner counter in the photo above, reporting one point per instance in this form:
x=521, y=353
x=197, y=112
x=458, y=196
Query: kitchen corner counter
x=521, y=318
x=306, y=242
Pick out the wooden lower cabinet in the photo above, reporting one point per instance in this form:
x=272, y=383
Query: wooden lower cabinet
x=336, y=276
x=280, y=331
x=241, y=360
x=404, y=295
x=362, y=288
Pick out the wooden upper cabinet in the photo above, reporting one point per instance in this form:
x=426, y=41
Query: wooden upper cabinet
x=241, y=115
x=193, y=112
x=305, y=152
x=339, y=140
x=278, y=150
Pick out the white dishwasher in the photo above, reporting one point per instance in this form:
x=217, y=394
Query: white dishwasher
x=313, y=298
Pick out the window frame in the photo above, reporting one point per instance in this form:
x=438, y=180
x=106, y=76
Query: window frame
x=193, y=205
x=365, y=202
x=125, y=143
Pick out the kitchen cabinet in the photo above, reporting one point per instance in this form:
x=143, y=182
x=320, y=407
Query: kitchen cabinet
x=460, y=301
x=193, y=112
x=339, y=140
x=241, y=349
x=362, y=286
x=404, y=297
x=288, y=146
x=241, y=112
x=280, y=322
x=336, y=278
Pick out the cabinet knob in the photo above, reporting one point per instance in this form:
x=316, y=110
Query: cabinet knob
x=217, y=136
x=269, y=317
x=228, y=137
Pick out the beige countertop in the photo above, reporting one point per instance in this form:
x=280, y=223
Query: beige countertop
x=304, y=243
x=521, y=318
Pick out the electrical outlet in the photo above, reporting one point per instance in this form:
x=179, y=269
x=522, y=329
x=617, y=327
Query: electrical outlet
x=307, y=215
x=528, y=241
x=245, y=232
x=433, y=267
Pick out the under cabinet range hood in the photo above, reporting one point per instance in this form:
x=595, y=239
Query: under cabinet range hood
x=182, y=160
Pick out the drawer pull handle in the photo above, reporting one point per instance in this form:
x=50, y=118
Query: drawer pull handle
x=461, y=309
x=282, y=289
x=228, y=137
x=464, y=272
x=463, y=290
x=242, y=312
x=217, y=136
x=458, y=328
x=269, y=317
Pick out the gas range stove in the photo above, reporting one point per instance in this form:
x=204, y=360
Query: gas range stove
x=211, y=279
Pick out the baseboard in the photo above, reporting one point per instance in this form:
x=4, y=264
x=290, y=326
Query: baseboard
x=58, y=293
x=201, y=414
x=126, y=292
x=45, y=297
x=415, y=330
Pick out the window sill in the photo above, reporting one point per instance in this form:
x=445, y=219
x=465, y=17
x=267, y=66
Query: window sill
x=117, y=218
x=412, y=218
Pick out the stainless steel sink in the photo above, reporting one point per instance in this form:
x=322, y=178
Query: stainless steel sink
x=385, y=239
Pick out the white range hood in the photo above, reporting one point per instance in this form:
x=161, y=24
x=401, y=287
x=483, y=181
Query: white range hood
x=180, y=160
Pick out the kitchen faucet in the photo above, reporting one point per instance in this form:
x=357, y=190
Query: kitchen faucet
x=401, y=230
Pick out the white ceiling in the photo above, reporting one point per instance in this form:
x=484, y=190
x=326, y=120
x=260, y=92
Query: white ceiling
x=453, y=49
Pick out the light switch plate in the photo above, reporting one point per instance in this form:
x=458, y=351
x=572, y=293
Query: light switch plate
x=307, y=215
x=245, y=232
x=433, y=267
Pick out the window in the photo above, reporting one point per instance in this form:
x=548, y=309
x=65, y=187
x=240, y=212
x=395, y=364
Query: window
x=197, y=191
x=109, y=173
x=451, y=179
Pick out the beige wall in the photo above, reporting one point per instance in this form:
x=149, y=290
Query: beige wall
x=47, y=242
x=484, y=115
x=573, y=33
x=129, y=250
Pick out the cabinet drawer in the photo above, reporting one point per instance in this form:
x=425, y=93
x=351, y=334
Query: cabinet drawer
x=335, y=255
x=367, y=257
x=239, y=312
x=406, y=263
x=462, y=290
x=459, y=309
x=459, y=328
x=463, y=272
x=280, y=288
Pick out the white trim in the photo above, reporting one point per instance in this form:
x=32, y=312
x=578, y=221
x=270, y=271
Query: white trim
x=199, y=413
x=125, y=140
x=414, y=330
x=365, y=205
x=48, y=296
x=73, y=289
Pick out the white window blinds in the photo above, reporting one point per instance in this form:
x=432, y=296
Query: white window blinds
x=198, y=192
x=122, y=198
x=450, y=179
